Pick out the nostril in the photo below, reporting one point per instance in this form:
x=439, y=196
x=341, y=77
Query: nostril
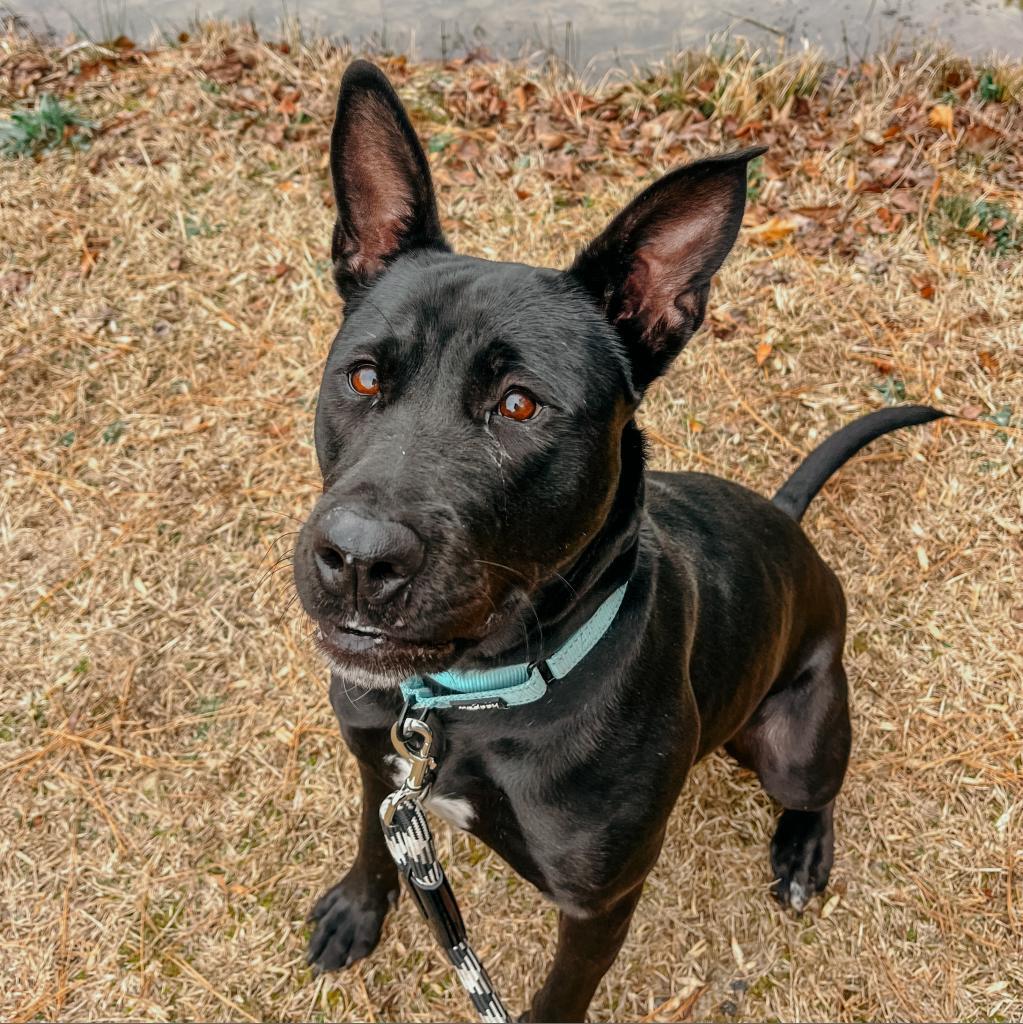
x=384, y=572
x=330, y=557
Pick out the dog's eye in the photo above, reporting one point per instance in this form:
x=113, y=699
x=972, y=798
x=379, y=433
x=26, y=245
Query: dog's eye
x=364, y=380
x=517, y=405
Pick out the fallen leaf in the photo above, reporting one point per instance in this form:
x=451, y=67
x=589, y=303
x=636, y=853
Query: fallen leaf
x=905, y=202
x=289, y=104
x=562, y=166
x=924, y=285
x=829, y=908
x=737, y=954
x=14, y=281
x=522, y=94
x=988, y=362
x=774, y=229
x=551, y=140
x=940, y=117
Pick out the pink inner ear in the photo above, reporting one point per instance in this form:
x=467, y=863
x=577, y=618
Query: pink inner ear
x=677, y=245
x=649, y=295
x=376, y=183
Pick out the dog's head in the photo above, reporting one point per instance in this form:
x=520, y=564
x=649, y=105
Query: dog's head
x=473, y=415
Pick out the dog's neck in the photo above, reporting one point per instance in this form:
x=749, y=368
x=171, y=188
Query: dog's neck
x=564, y=603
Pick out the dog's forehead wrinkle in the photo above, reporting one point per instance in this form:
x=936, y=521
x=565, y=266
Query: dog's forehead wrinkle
x=464, y=300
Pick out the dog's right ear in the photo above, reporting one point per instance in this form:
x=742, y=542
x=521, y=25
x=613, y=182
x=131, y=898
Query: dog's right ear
x=382, y=185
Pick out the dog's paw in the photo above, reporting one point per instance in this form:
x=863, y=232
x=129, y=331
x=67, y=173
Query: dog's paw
x=348, y=920
x=802, y=852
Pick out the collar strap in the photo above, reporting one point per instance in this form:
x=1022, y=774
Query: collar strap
x=510, y=685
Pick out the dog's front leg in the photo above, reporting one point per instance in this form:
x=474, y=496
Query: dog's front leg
x=349, y=915
x=587, y=946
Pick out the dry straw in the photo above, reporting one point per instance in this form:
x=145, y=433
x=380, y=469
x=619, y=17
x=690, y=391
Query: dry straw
x=174, y=793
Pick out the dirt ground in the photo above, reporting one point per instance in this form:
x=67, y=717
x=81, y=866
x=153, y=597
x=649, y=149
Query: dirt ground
x=173, y=793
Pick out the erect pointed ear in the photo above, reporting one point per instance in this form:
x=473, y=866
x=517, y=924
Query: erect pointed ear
x=385, y=201
x=650, y=269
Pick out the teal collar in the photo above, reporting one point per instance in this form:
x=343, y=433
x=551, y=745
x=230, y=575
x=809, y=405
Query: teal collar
x=510, y=685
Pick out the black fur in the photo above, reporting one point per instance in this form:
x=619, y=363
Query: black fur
x=732, y=628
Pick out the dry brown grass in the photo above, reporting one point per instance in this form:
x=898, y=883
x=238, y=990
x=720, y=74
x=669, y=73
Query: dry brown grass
x=173, y=792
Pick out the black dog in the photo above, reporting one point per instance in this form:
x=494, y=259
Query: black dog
x=484, y=492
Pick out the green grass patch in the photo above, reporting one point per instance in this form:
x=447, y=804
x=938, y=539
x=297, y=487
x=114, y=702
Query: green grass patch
x=990, y=224
x=44, y=128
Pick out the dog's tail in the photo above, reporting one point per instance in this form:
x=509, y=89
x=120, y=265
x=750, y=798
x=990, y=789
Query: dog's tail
x=813, y=472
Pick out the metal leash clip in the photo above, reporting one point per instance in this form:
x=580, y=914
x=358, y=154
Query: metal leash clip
x=421, y=764
x=410, y=844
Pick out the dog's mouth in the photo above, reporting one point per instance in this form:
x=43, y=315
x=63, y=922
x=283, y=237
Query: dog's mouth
x=363, y=644
x=383, y=655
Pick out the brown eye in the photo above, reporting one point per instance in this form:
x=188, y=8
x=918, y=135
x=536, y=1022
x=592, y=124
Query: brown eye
x=364, y=380
x=517, y=405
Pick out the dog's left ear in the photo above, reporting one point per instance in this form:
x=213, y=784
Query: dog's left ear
x=650, y=269
x=382, y=185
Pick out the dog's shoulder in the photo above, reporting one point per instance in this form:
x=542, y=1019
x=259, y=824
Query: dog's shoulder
x=705, y=522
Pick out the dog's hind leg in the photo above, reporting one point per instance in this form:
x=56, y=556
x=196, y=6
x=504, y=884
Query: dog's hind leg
x=349, y=915
x=797, y=741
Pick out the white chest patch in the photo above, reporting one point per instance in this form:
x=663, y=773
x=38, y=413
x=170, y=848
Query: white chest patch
x=455, y=810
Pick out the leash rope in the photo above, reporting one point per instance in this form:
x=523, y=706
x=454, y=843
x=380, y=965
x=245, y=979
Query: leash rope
x=406, y=830
x=410, y=844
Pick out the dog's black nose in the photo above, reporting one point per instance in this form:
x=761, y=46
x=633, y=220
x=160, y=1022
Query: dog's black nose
x=368, y=559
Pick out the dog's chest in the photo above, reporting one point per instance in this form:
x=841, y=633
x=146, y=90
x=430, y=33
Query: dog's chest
x=564, y=846
x=454, y=809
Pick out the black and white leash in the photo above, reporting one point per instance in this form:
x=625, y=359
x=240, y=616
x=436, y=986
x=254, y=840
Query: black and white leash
x=410, y=843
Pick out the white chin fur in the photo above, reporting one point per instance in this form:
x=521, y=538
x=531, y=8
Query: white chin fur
x=368, y=679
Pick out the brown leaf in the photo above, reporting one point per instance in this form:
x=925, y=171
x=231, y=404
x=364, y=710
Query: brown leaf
x=14, y=281
x=905, y=202
x=886, y=221
x=923, y=284
x=988, y=362
x=562, y=166
x=551, y=140
x=940, y=116
x=981, y=138
x=289, y=103
x=774, y=229
x=821, y=214
x=523, y=93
